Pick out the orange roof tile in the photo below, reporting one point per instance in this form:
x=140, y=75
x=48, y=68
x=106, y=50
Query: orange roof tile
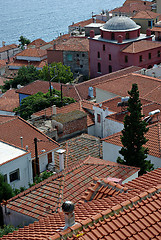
x=73, y=44
x=20, y=63
x=153, y=143
x=131, y=8
x=2, y=63
x=9, y=100
x=32, y=52
x=146, y=15
x=37, y=43
x=141, y=46
x=156, y=29
x=13, y=129
x=69, y=184
x=85, y=22
x=8, y=47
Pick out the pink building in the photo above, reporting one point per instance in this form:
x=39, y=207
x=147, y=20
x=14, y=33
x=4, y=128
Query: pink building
x=121, y=45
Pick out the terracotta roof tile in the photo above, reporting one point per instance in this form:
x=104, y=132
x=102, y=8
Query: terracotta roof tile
x=85, y=22
x=9, y=100
x=141, y=46
x=13, y=129
x=131, y=8
x=32, y=52
x=20, y=63
x=37, y=43
x=8, y=47
x=73, y=44
x=146, y=15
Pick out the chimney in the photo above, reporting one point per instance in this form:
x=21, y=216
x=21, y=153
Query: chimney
x=68, y=209
x=61, y=158
x=25, y=46
x=92, y=34
x=21, y=142
x=54, y=109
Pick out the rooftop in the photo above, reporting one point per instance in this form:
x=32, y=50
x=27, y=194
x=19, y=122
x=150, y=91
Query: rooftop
x=68, y=117
x=141, y=46
x=36, y=43
x=32, y=52
x=146, y=15
x=9, y=100
x=8, y=47
x=85, y=22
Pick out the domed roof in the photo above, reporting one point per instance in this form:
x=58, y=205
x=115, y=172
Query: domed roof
x=120, y=24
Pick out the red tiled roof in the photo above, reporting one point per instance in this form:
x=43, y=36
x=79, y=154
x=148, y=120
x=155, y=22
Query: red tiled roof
x=149, y=87
x=20, y=63
x=149, y=3
x=5, y=118
x=8, y=47
x=67, y=185
x=146, y=15
x=131, y=8
x=153, y=136
x=73, y=44
x=32, y=52
x=13, y=129
x=134, y=207
x=141, y=46
x=2, y=79
x=37, y=43
x=9, y=100
x=156, y=29
x=2, y=63
x=85, y=22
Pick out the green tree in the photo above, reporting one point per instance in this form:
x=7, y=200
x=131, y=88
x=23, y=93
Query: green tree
x=6, y=191
x=56, y=72
x=25, y=75
x=23, y=41
x=7, y=229
x=133, y=138
x=40, y=101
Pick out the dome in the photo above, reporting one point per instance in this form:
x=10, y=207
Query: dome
x=120, y=24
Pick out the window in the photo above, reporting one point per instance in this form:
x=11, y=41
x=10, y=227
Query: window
x=110, y=68
x=77, y=55
x=112, y=36
x=140, y=58
x=83, y=55
x=149, y=23
x=158, y=53
x=81, y=66
x=69, y=57
x=149, y=55
x=49, y=157
x=109, y=57
x=99, y=67
x=98, y=118
x=98, y=54
x=5, y=178
x=104, y=47
x=15, y=175
x=127, y=35
x=126, y=59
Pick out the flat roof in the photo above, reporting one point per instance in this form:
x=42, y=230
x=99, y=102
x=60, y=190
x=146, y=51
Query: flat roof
x=9, y=152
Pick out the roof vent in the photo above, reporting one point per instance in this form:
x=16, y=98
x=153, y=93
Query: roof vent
x=61, y=158
x=90, y=92
x=68, y=209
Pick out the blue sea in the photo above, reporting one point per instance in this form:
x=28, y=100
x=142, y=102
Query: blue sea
x=45, y=19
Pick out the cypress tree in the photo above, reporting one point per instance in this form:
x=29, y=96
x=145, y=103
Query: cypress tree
x=133, y=133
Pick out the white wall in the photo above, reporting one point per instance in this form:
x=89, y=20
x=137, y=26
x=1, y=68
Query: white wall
x=7, y=113
x=112, y=126
x=37, y=59
x=43, y=160
x=91, y=130
x=16, y=219
x=102, y=95
x=24, y=164
x=111, y=153
x=11, y=53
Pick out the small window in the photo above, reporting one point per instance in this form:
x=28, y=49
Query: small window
x=77, y=55
x=15, y=175
x=110, y=68
x=140, y=58
x=50, y=157
x=158, y=53
x=83, y=55
x=149, y=23
x=104, y=48
x=112, y=36
x=81, y=66
x=69, y=57
x=98, y=54
x=126, y=59
x=109, y=57
x=99, y=67
x=149, y=55
x=98, y=118
x=127, y=35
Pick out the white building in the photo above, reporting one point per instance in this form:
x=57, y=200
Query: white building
x=15, y=165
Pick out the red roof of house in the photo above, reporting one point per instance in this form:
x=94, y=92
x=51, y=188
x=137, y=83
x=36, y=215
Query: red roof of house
x=156, y=29
x=12, y=130
x=37, y=43
x=85, y=22
x=153, y=136
x=8, y=47
x=131, y=8
x=9, y=100
x=20, y=63
x=140, y=46
x=146, y=15
x=32, y=52
x=134, y=210
x=69, y=184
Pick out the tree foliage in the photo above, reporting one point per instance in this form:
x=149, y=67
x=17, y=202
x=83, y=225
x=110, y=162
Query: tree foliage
x=40, y=101
x=23, y=41
x=7, y=229
x=133, y=138
x=42, y=177
x=25, y=75
x=56, y=72
x=6, y=191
